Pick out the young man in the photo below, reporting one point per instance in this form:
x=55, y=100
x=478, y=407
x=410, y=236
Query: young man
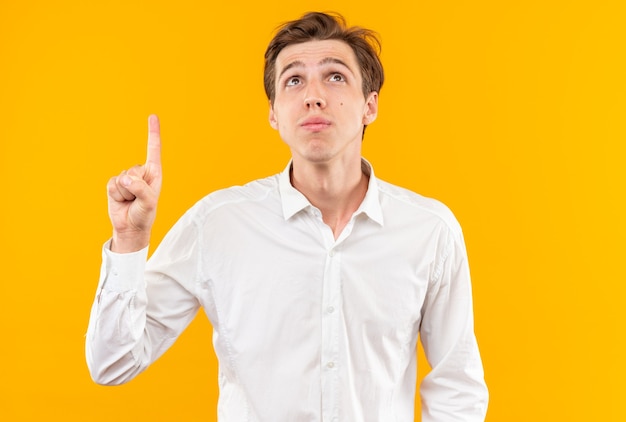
x=317, y=281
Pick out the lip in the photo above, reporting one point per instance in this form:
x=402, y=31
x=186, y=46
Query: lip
x=315, y=124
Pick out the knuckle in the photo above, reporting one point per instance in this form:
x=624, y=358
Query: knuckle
x=136, y=170
x=112, y=184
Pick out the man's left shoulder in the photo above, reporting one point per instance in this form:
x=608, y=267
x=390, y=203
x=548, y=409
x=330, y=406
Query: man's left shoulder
x=418, y=204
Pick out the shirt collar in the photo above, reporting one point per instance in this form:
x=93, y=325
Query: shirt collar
x=293, y=201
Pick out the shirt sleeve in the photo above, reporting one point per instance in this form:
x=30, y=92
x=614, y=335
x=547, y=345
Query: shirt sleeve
x=454, y=389
x=140, y=307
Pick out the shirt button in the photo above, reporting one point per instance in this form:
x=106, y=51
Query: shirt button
x=331, y=253
x=330, y=309
x=330, y=365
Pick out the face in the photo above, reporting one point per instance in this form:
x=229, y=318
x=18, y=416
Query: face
x=319, y=108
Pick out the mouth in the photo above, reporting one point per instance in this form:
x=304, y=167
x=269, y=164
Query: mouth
x=315, y=124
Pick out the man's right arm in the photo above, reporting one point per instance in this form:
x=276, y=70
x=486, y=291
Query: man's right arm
x=117, y=347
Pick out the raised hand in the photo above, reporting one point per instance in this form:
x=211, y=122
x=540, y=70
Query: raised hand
x=133, y=197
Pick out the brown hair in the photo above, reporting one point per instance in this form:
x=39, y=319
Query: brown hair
x=324, y=26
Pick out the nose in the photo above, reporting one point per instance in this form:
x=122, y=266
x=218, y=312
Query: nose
x=313, y=97
x=314, y=102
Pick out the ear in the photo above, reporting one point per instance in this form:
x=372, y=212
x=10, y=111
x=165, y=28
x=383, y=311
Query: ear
x=272, y=117
x=371, y=108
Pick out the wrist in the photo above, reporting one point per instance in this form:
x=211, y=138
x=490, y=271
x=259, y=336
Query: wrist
x=129, y=242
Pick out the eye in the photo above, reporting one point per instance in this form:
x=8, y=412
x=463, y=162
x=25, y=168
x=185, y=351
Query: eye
x=293, y=81
x=337, y=77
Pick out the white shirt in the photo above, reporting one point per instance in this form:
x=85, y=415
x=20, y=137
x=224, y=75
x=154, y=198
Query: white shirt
x=306, y=327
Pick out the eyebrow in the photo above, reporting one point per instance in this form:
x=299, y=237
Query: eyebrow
x=327, y=60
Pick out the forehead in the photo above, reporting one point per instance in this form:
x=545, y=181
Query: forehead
x=311, y=53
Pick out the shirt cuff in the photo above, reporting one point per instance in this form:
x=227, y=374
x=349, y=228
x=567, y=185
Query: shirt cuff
x=121, y=272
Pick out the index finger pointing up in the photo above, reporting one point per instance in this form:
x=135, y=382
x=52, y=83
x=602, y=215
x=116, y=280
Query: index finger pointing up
x=154, y=141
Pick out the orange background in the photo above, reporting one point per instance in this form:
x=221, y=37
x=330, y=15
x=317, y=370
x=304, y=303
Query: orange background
x=512, y=113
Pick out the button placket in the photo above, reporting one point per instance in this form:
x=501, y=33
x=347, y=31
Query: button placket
x=330, y=332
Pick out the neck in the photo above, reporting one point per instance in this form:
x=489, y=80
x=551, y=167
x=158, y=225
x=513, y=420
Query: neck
x=337, y=191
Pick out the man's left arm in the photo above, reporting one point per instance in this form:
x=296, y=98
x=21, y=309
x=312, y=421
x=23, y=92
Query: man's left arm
x=455, y=388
